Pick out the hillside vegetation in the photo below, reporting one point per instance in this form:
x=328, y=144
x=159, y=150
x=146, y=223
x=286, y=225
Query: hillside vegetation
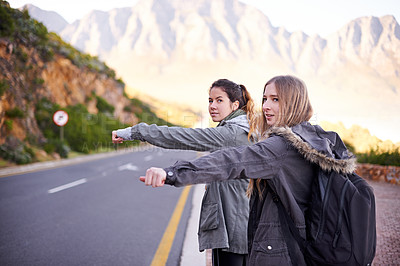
x=367, y=148
x=40, y=74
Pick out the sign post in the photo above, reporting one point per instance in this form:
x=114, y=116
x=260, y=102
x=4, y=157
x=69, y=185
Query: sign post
x=60, y=118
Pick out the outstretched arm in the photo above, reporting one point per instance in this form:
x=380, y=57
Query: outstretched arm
x=198, y=139
x=261, y=160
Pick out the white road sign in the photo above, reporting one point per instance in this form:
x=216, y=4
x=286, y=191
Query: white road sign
x=60, y=118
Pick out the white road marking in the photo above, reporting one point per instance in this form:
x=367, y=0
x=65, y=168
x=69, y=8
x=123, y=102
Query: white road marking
x=128, y=166
x=69, y=185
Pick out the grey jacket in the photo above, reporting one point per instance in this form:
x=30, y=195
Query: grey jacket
x=225, y=207
x=287, y=159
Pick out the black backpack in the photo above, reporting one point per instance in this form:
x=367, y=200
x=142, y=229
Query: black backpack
x=340, y=221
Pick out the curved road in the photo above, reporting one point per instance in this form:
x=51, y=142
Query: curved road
x=98, y=213
x=91, y=213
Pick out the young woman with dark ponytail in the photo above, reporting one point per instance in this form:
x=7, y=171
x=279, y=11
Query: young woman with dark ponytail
x=225, y=207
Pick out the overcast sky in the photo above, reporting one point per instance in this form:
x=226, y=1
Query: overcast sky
x=310, y=16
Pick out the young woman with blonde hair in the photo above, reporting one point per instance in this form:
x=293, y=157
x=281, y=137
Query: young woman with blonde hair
x=287, y=156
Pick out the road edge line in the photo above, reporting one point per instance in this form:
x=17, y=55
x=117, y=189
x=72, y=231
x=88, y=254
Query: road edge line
x=162, y=253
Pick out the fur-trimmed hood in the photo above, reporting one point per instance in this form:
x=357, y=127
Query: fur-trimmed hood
x=324, y=148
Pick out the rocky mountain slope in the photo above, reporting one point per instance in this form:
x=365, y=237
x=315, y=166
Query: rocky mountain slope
x=30, y=73
x=39, y=74
x=173, y=49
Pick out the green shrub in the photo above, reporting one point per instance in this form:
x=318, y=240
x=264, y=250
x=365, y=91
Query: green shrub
x=87, y=132
x=44, y=111
x=6, y=20
x=22, y=158
x=103, y=106
x=15, y=113
x=58, y=146
x=29, y=151
x=15, y=151
x=41, y=32
x=4, y=86
x=38, y=81
x=21, y=55
x=31, y=139
x=8, y=124
x=49, y=148
x=122, y=83
x=374, y=156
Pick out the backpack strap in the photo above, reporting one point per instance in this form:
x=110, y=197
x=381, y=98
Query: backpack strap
x=288, y=227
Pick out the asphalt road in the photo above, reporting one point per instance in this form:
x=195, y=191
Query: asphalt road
x=107, y=217
x=91, y=213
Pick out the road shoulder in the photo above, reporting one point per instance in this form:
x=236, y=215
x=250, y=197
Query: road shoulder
x=191, y=256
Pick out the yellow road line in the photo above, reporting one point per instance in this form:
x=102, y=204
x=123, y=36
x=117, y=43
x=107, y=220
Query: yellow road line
x=161, y=256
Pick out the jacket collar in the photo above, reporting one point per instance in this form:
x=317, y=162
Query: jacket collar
x=239, y=118
x=233, y=115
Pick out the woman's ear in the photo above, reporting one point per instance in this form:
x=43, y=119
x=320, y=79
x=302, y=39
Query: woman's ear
x=235, y=105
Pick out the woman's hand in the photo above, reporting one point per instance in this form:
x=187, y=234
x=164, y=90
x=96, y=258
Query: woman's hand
x=155, y=177
x=115, y=138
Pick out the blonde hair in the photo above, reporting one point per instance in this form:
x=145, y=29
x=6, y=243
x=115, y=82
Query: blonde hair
x=249, y=106
x=294, y=108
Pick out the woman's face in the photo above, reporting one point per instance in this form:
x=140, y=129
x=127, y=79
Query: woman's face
x=270, y=105
x=219, y=105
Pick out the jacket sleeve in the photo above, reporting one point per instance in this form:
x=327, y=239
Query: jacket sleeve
x=261, y=160
x=198, y=139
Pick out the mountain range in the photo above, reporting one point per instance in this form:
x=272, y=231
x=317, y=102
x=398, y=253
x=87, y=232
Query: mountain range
x=173, y=50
